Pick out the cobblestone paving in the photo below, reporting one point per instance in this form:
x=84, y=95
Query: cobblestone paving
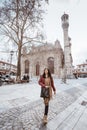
x=85, y=84
x=29, y=117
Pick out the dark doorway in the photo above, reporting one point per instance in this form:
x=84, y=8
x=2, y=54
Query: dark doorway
x=37, y=69
x=51, y=64
x=26, y=67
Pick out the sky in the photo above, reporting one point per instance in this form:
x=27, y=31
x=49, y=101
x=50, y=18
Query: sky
x=76, y=9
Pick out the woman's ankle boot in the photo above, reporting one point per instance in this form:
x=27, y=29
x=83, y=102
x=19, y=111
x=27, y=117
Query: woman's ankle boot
x=45, y=119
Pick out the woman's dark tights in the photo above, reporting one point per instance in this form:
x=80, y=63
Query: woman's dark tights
x=46, y=102
x=46, y=109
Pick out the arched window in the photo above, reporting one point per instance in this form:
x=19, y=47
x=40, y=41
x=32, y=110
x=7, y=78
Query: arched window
x=51, y=64
x=37, y=69
x=26, y=67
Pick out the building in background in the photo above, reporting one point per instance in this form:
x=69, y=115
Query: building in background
x=7, y=68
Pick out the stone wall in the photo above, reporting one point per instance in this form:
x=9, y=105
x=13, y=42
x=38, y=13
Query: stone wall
x=40, y=55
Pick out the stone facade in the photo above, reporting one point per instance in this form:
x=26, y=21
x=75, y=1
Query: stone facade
x=47, y=55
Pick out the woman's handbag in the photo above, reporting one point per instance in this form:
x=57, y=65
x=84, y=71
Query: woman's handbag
x=45, y=92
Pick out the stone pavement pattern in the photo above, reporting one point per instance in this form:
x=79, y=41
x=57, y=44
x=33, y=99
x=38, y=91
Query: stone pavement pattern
x=73, y=117
x=29, y=117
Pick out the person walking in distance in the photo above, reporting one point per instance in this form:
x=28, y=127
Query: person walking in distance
x=47, y=85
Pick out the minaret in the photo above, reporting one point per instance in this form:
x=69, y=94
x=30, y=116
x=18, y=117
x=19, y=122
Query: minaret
x=67, y=45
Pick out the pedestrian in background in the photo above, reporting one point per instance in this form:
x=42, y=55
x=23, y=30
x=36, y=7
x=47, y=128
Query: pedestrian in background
x=46, y=82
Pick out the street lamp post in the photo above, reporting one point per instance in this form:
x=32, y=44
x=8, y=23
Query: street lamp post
x=11, y=54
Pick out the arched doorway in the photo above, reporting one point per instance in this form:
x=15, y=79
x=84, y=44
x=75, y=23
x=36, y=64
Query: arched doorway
x=37, y=69
x=51, y=64
x=26, y=67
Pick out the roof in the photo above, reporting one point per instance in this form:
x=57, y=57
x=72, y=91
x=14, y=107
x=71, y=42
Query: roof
x=7, y=63
x=46, y=47
x=82, y=64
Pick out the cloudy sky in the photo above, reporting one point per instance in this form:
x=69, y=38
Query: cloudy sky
x=77, y=25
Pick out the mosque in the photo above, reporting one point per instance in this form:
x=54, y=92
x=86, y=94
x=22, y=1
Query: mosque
x=49, y=55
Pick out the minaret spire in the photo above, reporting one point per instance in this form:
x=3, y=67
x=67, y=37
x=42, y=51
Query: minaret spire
x=67, y=46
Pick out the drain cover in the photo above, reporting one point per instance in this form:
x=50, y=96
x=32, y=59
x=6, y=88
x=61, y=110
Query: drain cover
x=84, y=103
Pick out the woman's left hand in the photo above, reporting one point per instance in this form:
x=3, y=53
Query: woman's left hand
x=54, y=92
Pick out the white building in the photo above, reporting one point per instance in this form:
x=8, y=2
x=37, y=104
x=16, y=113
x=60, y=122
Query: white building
x=81, y=69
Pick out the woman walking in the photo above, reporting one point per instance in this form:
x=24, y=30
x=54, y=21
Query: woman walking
x=47, y=84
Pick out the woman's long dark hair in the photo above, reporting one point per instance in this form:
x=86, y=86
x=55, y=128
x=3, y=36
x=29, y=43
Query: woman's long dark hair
x=49, y=73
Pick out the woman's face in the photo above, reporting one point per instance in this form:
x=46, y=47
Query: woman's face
x=46, y=71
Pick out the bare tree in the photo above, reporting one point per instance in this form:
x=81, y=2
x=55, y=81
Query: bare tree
x=17, y=20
